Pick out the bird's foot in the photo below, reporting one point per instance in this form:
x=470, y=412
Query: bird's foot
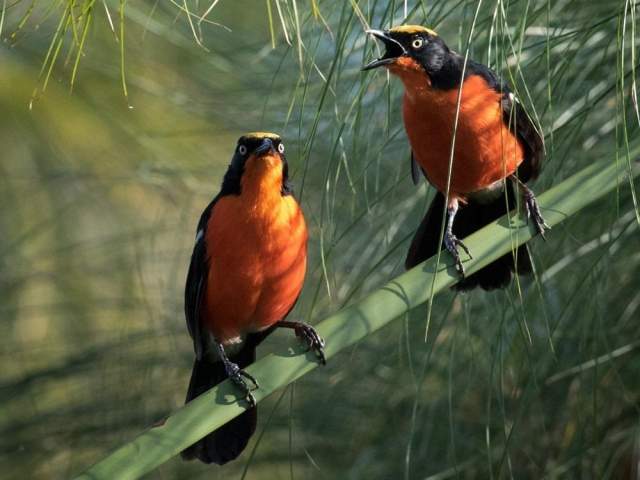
x=451, y=242
x=241, y=379
x=533, y=212
x=308, y=335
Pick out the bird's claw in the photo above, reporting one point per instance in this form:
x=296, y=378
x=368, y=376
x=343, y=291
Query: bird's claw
x=310, y=337
x=451, y=242
x=238, y=376
x=533, y=212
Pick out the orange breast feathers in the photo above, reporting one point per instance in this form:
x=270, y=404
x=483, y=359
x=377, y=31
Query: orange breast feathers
x=257, y=254
x=485, y=149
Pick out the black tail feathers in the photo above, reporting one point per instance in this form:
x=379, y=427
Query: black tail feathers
x=228, y=441
x=470, y=218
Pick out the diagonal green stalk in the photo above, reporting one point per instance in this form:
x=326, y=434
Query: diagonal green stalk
x=348, y=326
x=2, y=12
x=123, y=77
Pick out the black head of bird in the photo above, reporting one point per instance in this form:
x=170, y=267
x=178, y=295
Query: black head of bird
x=257, y=157
x=410, y=47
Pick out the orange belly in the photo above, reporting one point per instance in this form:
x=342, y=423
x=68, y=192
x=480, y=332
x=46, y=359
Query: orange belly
x=257, y=256
x=485, y=150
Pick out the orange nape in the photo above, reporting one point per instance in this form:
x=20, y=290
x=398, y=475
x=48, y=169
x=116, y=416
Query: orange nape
x=486, y=151
x=256, y=244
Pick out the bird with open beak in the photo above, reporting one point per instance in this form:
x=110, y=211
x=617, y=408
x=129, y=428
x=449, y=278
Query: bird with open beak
x=497, y=148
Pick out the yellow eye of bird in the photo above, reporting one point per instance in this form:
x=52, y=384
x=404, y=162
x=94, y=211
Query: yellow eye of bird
x=281, y=147
x=242, y=150
x=417, y=43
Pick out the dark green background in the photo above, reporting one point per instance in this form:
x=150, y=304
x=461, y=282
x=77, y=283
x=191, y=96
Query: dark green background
x=99, y=202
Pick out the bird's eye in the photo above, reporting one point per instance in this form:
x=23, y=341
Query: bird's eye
x=242, y=150
x=281, y=147
x=417, y=43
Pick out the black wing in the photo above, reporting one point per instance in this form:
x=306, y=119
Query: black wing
x=197, y=283
x=519, y=122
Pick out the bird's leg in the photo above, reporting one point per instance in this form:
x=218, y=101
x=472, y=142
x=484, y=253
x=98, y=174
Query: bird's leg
x=531, y=207
x=451, y=242
x=309, y=336
x=238, y=376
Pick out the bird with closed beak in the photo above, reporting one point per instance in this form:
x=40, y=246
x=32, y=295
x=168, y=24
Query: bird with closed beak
x=246, y=273
x=497, y=148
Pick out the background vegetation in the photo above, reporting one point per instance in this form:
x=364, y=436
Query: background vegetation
x=100, y=192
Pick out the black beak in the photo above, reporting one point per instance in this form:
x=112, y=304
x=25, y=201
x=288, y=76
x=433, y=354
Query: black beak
x=265, y=147
x=394, y=50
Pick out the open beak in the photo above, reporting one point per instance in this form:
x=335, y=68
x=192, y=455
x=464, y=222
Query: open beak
x=394, y=49
x=265, y=147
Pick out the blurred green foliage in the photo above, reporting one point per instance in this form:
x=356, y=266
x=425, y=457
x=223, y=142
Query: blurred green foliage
x=100, y=194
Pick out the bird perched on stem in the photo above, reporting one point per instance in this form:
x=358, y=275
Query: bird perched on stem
x=246, y=273
x=497, y=148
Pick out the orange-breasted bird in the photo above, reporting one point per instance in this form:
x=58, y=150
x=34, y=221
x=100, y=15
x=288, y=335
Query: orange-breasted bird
x=497, y=147
x=246, y=273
